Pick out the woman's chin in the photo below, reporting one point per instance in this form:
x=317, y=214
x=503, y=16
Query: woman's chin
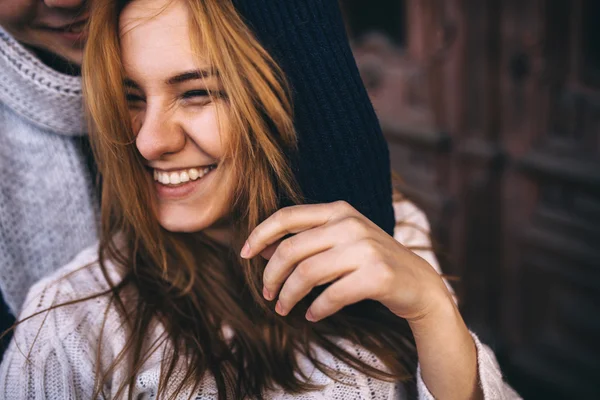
x=182, y=224
x=189, y=217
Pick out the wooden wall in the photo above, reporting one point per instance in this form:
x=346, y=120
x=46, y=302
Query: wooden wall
x=492, y=113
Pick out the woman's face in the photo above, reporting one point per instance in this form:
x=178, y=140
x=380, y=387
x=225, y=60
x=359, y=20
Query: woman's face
x=178, y=132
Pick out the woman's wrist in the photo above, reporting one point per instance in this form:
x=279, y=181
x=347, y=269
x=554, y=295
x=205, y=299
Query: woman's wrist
x=447, y=352
x=439, y=306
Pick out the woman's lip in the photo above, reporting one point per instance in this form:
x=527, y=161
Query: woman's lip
x=179, y=169
x=180, y=191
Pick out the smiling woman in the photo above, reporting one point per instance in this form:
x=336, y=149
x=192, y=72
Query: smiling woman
x=174, y=104
x=192, y=125
x=185, y=106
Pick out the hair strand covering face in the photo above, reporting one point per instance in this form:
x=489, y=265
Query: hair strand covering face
x=190, y=284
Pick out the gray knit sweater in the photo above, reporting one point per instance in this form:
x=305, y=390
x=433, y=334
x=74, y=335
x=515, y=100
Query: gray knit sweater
x=48, y=205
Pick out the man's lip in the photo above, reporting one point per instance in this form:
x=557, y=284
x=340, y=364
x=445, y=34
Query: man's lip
x=65, y=27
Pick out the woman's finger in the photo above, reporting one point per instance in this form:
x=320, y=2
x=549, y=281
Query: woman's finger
x=362, y=284
x=268, y=252
x=314, y=271
x=291, y=220
x=299, y=247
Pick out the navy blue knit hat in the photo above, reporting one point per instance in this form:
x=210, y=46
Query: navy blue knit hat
x=342, y=152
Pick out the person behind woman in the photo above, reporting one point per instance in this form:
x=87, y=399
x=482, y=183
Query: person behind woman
x=212, y=278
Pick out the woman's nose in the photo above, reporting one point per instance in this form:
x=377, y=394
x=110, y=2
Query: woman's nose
x=159, y=137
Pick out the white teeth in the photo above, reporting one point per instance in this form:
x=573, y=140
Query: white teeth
x=184, y=177
x=176, y=178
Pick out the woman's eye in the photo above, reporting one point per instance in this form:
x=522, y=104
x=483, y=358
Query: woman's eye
x=195, y=93
x=132, y=98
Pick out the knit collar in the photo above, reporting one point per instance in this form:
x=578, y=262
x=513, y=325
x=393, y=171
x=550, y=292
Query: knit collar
x=41, y=95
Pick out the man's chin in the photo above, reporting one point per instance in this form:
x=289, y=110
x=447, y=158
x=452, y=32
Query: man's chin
x=64, y=61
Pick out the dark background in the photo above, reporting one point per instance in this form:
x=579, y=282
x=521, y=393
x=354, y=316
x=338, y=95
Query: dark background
x=491, y=109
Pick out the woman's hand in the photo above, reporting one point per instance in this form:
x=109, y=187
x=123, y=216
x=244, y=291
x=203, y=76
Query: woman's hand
x=335, y=243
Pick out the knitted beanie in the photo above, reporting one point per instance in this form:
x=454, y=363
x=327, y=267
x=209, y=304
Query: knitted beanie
x=342, y=152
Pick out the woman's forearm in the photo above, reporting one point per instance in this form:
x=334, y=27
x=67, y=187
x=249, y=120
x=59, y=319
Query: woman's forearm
x=447, y=353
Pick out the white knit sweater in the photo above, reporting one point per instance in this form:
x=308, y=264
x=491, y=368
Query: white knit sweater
x=62, y=344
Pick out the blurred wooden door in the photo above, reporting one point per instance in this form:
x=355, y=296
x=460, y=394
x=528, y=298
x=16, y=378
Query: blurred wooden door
x=491, y=109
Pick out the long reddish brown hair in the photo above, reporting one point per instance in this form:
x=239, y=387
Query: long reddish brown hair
x=190, y=284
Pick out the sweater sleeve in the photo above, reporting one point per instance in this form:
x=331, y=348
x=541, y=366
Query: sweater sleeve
x=490, y=377
x=52, y=354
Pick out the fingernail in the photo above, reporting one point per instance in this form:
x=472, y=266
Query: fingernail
x=266, y=294
x=279, y=308
x=245, y=250
x=309, y=316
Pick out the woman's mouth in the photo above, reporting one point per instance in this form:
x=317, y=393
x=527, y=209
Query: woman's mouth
x=177, y=178
x=180, y=183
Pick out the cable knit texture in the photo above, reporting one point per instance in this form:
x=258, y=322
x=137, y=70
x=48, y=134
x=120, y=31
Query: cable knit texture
x=47, y=201
x=62, y=344
x=344, y=155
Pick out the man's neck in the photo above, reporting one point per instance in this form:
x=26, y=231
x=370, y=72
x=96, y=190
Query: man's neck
x=56, y=62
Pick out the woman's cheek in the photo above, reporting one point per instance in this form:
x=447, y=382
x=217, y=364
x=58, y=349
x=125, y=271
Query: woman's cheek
x=209, y=129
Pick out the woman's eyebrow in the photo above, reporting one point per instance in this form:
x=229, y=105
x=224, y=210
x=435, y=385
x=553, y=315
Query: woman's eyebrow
x=191, y=75
x=179, y=78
